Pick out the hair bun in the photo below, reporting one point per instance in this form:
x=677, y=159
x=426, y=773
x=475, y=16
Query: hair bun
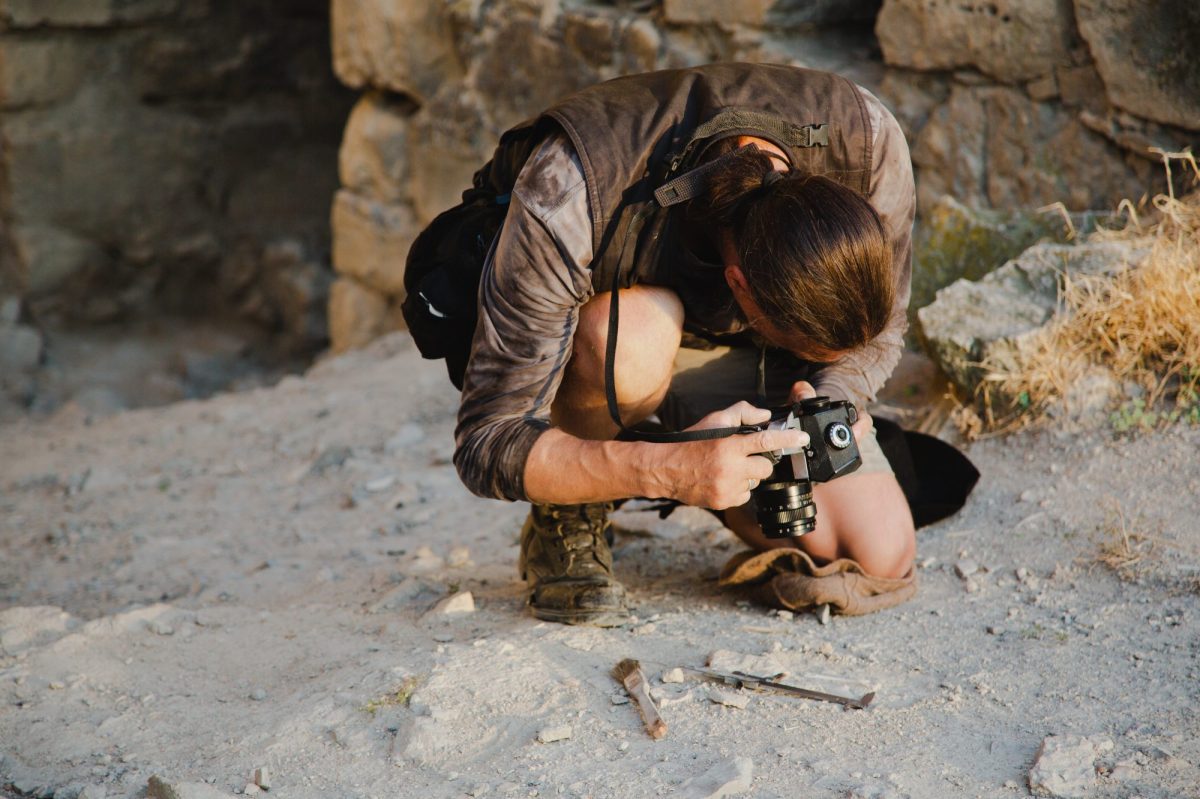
x=771, y=178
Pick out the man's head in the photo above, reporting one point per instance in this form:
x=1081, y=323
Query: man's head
x=806, y=258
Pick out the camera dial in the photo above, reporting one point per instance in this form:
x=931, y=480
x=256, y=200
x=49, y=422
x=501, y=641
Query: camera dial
x=838, y=435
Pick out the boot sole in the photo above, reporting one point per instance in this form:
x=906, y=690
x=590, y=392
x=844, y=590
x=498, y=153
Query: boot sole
x=596, y=618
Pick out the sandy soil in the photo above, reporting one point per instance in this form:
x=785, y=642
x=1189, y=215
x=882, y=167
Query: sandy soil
x=199, y=590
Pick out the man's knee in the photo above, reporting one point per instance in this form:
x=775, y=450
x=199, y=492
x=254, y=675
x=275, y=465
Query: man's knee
x=651, y=324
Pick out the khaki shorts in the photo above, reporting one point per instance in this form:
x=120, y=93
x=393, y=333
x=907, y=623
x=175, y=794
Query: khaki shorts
x=710, y=380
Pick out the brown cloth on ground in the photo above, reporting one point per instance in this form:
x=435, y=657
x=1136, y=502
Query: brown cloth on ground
x=787, y=578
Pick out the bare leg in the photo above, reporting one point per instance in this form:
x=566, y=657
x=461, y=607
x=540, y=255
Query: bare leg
x=863, y=517
x=651, y=325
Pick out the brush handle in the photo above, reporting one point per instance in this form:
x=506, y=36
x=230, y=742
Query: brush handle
x=635, y=684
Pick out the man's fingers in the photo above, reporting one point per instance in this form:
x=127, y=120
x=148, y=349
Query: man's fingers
x=745, y=413
x=802, y=390
x=770, y=440
x=863, y=426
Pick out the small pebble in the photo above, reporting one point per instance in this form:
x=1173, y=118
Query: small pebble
x=560, y=732
x=262, y=778
x=720, y=696
x=623, y=746
x=673, y=675
x=251, y=789
x=460, y=602
x=619, y=699
x=823, y=613
x=786, y=615
x=258, y=694
x=965, y=568
x=380, y=484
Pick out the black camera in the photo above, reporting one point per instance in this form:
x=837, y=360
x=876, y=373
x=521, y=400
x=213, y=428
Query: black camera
x=784, y=501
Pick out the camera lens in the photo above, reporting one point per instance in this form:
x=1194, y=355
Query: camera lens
x=838, y=435
x=785, y=508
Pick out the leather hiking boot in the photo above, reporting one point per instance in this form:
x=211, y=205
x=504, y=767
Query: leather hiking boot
x=566, y=558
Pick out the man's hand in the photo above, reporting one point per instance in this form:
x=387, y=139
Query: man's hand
x=802, y=390
x=721, y=473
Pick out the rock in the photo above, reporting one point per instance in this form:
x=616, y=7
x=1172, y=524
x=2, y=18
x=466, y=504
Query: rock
x=955, y=242
x=1011, y=40
x=970, y=321
x=723, y=696
x=769, y=12
x=619, y=699
x=379, y=484
x=1145, y=55
x=561, y=732
x=40, y=71
x=83, y=13
x=262, y=778
x=1065, y=765
x=460, y=602
x=965, y=568
x=357, y=315
x=992, y=146
x=92, y=792
x=823, y=612
x=759, y=665
x=258, y=694
x=674, y=675
x=251, y=789
x=159, y=788
x=406, y=47
x=726, y=778
x=371, y=241
x=373, y=159
x=296, y=287
x=332, y=457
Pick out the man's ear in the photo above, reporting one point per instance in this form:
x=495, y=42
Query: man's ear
x=736, y=279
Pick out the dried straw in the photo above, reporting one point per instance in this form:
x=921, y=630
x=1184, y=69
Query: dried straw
x=1142, y=324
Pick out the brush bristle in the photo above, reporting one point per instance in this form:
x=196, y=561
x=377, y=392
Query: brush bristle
x=625, y=668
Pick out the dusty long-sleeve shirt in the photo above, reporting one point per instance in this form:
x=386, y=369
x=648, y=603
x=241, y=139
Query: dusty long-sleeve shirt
x=538, y=275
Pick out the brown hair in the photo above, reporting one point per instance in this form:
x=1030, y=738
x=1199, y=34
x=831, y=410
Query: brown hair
x=814, y=252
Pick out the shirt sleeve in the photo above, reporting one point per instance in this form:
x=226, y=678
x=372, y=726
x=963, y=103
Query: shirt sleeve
x=535, y=280
x=860, y=374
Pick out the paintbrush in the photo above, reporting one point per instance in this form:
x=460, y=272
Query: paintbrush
x=629, y=673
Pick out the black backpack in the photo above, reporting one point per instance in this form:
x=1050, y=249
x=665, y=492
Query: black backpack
x=445, y=262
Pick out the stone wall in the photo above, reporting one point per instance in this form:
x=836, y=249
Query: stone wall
x=1008, y=104
x=168, y=156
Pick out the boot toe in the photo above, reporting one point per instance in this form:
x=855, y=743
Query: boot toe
x=599, y=603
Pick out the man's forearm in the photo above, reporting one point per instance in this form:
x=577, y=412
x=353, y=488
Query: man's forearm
x=563, y=469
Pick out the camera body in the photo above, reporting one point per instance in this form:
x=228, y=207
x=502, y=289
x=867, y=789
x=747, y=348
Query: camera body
x=783, y=502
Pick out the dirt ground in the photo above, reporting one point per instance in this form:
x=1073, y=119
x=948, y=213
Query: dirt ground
x=203, y=589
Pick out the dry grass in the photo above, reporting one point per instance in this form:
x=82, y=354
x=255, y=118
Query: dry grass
x=1142, y=325
x=1122, y=548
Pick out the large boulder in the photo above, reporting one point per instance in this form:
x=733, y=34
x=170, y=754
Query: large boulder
x=402, y=45
x=1010, y=40
x=955, y=242
x=973, y=321
x=1146, y=54
x=373, y=159
x=371, y=241
x=769, y=12
x=992, y=146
